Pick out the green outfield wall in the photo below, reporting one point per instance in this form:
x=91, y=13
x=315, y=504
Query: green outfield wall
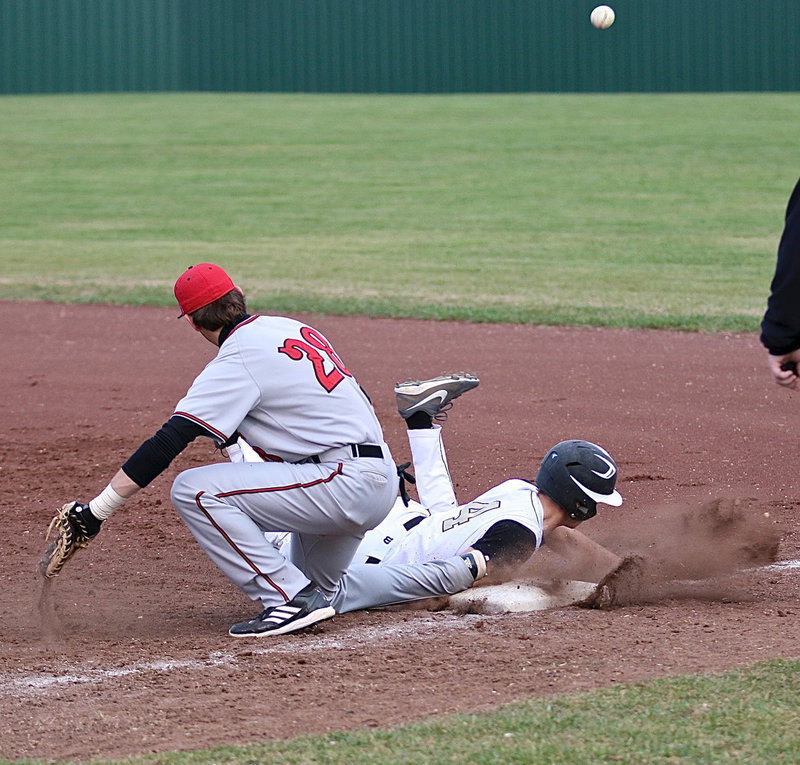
x=397, y=46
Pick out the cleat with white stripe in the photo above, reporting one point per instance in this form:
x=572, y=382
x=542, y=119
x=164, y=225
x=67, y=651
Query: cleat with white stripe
x=308, y=607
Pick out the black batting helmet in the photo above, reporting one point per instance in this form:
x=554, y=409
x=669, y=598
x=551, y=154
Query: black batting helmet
x=577, y=475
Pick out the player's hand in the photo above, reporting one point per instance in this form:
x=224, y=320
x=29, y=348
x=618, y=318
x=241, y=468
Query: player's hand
x=784, y=369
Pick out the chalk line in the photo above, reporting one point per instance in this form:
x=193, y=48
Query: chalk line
x=781, y=565
x=32, y=683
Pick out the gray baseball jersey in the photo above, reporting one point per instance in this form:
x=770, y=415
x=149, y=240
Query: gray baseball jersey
x=327, y=474
x=282, y=386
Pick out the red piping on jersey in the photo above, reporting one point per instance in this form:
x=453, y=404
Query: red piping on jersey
x=242, y=324
x=266, y=489
x=236, y=548
x=205, y=425
x=214, y=431
x=328, y=479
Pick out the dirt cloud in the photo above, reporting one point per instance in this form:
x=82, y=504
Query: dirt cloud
x=700, y=551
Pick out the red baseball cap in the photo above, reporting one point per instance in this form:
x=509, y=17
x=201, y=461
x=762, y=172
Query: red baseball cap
x=200, y=285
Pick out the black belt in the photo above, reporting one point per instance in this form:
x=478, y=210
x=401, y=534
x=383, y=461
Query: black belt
x=366, y=450
x=356, y=450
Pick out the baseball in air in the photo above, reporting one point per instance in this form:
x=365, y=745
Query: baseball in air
x=602, y=17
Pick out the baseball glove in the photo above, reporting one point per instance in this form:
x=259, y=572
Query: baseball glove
x=74, y=527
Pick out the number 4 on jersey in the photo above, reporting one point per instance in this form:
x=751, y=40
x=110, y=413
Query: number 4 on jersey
x=309, y=347
x=469, y=511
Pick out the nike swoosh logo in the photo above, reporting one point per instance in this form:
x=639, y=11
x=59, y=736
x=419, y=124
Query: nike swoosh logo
x=440, y=394
x=611, y=469
x=614, y=499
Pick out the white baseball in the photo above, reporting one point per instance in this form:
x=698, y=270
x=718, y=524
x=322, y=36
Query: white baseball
x=602, y=17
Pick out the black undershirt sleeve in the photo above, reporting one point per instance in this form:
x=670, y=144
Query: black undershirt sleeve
x=155, y=454
x=507, y=543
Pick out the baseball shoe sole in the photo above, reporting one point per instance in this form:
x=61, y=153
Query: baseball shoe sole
x=434, y=396
x=306, y=608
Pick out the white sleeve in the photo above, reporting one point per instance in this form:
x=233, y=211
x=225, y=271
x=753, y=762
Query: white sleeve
x=241, y=451
x=248, y=453
x=234, y=452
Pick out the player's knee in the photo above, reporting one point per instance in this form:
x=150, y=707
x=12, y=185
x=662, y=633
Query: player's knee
x=184, y=492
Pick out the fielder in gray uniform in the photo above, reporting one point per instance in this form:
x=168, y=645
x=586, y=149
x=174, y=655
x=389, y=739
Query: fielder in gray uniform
x=420, y=550
x=325, y=473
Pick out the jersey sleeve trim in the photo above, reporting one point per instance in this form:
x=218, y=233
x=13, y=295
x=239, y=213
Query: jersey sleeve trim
x=157, y=452
x=222, y=437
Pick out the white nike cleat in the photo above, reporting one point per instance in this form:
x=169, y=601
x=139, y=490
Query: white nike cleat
x=432, y=396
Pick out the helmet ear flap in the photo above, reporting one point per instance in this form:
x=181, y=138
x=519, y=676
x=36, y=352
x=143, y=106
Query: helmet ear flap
x=585, y=507
x=582, y=512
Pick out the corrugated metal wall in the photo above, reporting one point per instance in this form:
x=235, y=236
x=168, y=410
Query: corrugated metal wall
x=491, y=45
x=397, y=45
x=52, y=46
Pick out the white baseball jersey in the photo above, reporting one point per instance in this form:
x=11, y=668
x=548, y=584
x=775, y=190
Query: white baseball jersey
x=258, y=385
x=444, y=534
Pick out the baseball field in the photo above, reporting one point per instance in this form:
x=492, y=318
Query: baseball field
x=600, y=262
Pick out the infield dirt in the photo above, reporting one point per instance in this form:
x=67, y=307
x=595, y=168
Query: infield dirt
x=129, y=654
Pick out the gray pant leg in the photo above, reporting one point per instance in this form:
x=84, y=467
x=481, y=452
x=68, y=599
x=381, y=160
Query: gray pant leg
x=229, y=506
x=235, y=543
x=369, y=585
x=303, y=554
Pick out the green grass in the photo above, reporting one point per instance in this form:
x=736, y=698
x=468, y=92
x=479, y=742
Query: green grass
x=747, y=716
x=617, y=210
x=622, y=210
